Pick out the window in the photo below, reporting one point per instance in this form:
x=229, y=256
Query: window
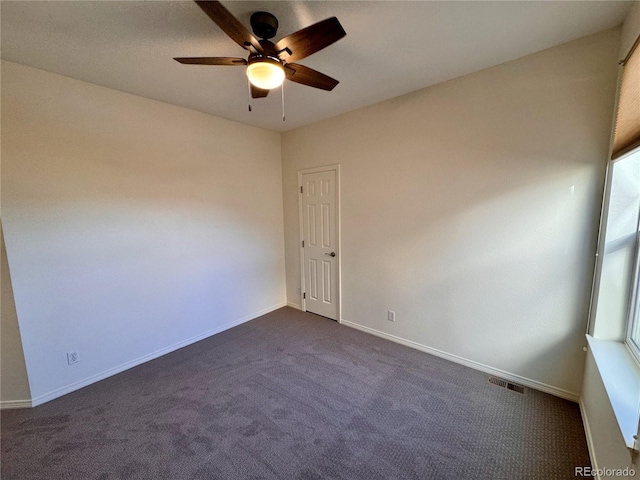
x=614, y=316
x=616, y=295
x=615, y=338
x=618, y=279
x=632, y=165
x=624, y=200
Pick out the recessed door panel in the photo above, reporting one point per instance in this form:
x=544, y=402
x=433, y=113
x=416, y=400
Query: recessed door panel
x=326, y=225
x=312, y=230
x=313, y=279
x=326, y=281
x=324, y=188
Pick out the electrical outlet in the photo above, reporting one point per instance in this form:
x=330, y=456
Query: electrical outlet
x=391, y=316
x=298, y=290
x=73, y=357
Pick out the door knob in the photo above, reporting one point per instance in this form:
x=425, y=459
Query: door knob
x=332, y=254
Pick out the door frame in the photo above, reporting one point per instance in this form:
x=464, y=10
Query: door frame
x=327, y=168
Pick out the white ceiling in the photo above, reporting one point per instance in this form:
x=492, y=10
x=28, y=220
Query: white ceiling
x=391, y=48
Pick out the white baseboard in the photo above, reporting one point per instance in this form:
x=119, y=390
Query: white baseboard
x=587, y=433
x=8, y=404
x=294, y=305
x=543, y=387
x=126, y=366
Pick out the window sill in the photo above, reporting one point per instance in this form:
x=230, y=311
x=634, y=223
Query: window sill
x=621, y=377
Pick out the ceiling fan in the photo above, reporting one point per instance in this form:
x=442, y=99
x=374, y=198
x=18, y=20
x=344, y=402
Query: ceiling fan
x=269, y=64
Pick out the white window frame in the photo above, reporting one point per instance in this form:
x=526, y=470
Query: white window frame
x=633, y=309
x=633, y=322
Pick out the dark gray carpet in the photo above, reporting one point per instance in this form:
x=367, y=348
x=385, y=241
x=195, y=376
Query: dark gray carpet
x=292, y=395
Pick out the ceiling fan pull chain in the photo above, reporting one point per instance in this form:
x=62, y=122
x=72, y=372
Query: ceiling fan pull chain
x=282, y=101
x=249, y=87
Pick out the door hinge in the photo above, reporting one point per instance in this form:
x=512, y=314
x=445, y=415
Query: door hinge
x=302, y=243
x=304, y=295
x=300, y=189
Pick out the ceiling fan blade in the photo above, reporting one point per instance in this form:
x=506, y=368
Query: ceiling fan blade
x=310, y=40
x=230, y=25
x=258, y=92
x=308, y=76
x=231, y=61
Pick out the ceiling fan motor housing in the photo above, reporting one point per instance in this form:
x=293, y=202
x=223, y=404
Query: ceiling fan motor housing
x=264, y=25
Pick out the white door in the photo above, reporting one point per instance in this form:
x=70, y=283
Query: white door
x=320, y=238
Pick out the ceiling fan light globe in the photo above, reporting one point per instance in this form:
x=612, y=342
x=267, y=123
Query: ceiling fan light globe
x=265, y=73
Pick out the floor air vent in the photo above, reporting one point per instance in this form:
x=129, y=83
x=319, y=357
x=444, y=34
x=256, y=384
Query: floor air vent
x=508, y=385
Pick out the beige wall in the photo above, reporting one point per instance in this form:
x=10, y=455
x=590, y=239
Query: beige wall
x=471, y=209
x=14, y=384
x=132, y=227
